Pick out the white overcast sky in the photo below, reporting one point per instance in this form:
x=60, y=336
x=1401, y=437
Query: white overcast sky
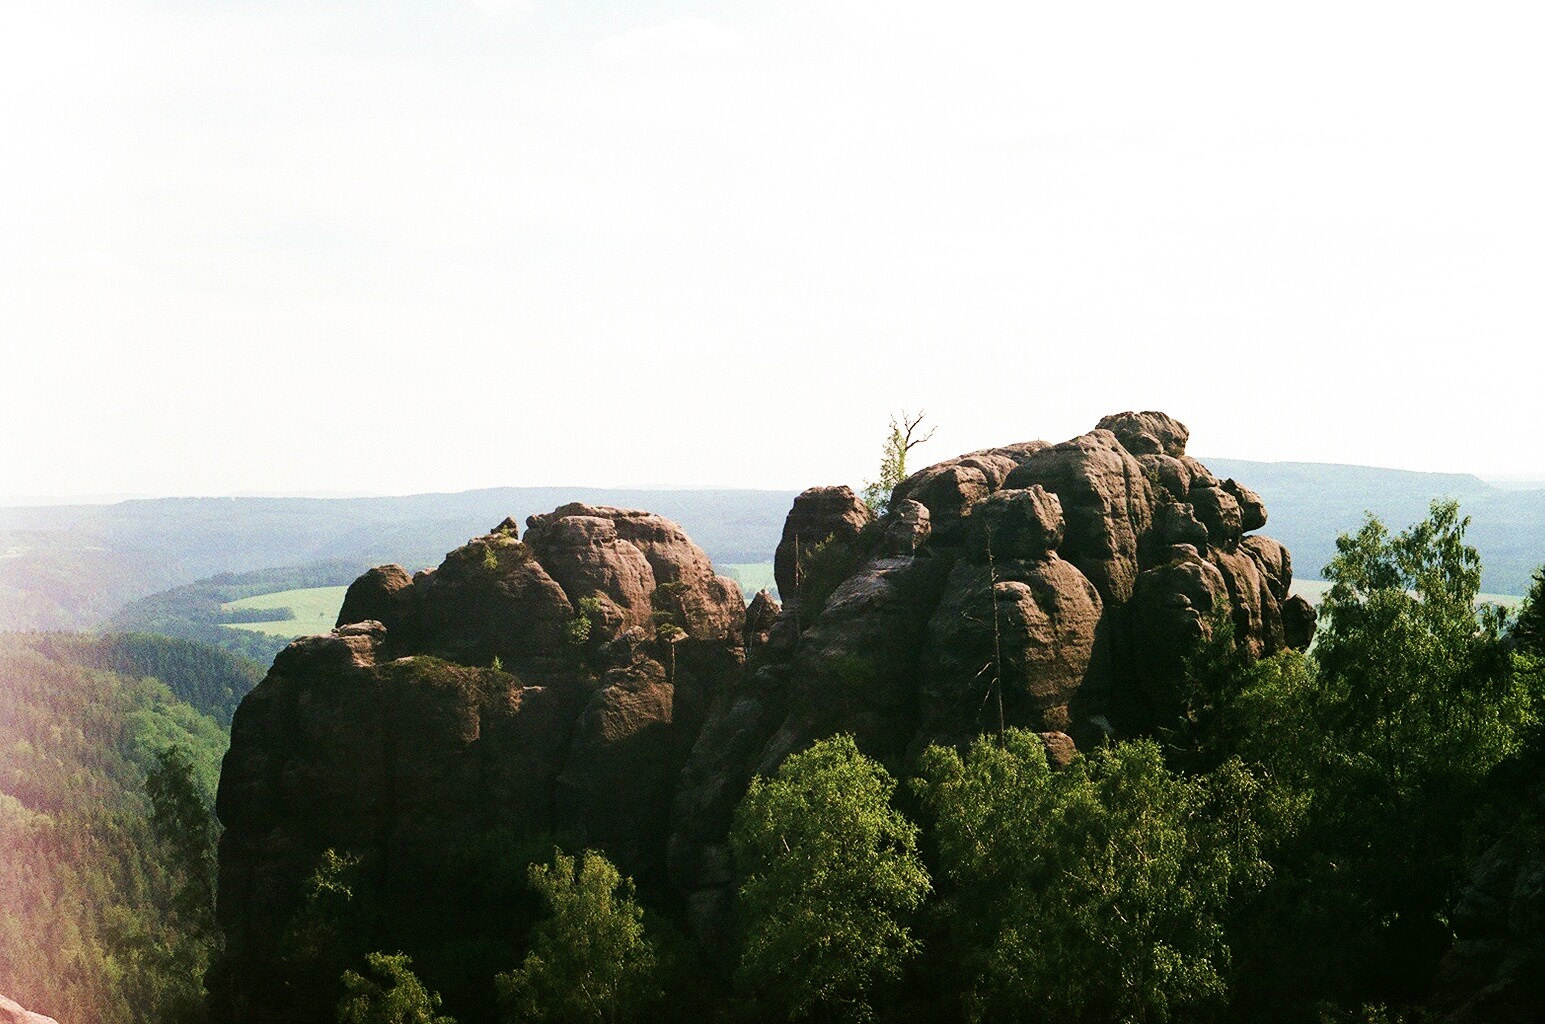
x=400, y=245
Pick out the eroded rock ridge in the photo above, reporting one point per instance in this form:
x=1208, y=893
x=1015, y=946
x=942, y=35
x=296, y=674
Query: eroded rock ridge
x=593, y=682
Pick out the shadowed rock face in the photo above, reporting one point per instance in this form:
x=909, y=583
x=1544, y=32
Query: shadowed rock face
x=526, y=690
x=596, y=683
x=1495, y=971
x=1055, y=587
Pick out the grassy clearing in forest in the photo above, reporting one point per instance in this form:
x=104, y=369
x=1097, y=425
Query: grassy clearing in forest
x=315, y=608
x=752, y=576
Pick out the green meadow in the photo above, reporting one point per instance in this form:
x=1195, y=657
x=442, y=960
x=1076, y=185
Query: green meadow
x=752, y=576
x=315, y=610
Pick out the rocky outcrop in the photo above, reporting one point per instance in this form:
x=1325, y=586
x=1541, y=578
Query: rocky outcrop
x=11, y=1012
x=1055, y=587
x=823, y=520
x=593, y=682
x=1107, y=503
x=526, y=691
x=1495, y=972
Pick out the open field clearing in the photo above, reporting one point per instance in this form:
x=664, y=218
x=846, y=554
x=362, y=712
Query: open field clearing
x=315, y=608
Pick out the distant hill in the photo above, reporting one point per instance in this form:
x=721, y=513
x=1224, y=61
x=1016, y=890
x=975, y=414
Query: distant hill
x=1310, y=504
x=76, y=566
x=70, y=566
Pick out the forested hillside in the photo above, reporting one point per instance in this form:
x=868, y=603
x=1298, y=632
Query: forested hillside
x=1311, y=502
x=195, y=611
x=70, y=567
x=99, y=915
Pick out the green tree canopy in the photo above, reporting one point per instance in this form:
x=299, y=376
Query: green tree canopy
x=1093, y=894
x=185, y=824
x=589, y=960
x=1528, y=630
x=830, y=870
x=1408, y=657
x=1380, y=751
x=391, y=995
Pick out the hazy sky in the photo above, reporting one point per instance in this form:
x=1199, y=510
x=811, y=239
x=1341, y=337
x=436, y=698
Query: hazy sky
x=386, y=246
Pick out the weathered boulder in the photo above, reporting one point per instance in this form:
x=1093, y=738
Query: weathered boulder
x=1252, y=510
x=12, y=1012
x=949, y=489
x=905, y=528
x=761, y=616
x=585, y=557
x=1168, y=474
x=1021, y=523
x=1020, y=632
x=1257, y=615
x=1172, y=611
x=710, y=607
x=1175, y=522
x=1148, y=433
x=1218, y=511
x=1298, y=621
x=1274, y=562
x=1060, y=750
x=1107, y=503
x=619, y=775
x=384, y=594
x=490, y=598
x=821, y=516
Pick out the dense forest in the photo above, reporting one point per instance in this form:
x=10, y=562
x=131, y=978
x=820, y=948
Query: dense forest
x=1295, y=846
x=106, y=838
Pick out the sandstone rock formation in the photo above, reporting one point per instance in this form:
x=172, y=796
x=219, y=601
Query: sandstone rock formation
x=1057, y=587
x=1495, y=971
x=594, y=682
x=11, y=1012
x=544, y=687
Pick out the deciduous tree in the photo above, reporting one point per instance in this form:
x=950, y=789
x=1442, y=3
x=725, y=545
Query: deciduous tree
x=1093, y=894
x=392, y=994
x=829, y=872
x=590, y=960
x=902, y=438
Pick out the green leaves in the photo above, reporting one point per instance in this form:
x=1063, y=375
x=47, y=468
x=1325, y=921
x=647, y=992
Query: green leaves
x=394, y=995
x=1092, y=894
x=1381, y=752
x=185, y=824
x=1418, y=680
x=901, y=439
x=589, y=961
x=829, y=873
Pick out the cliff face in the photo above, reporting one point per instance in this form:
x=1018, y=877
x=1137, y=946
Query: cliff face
x=1053, y=587
x=594, y=682
x=527, y=691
